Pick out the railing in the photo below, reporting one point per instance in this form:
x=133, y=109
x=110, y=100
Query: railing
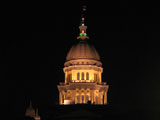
x=83, y=81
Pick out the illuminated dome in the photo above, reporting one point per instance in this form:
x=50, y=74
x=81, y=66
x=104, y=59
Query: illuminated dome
x=83, y=50
x=83, y=73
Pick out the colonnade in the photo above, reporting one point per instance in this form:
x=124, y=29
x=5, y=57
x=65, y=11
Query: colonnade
x=83, y=97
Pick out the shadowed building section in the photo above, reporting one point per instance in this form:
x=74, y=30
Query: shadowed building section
x=32, y=113
x=83, y=71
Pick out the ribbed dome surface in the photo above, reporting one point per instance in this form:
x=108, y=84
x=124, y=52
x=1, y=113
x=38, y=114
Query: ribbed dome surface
x=82, y=50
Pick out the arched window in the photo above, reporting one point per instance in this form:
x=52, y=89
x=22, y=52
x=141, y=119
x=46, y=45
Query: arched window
x=82, y=98
x=87, y=98
x=87, y=76
x=82, y=75
x=78, y=76
x=78, y=99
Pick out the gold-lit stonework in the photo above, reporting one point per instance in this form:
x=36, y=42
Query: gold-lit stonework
x=83, y=71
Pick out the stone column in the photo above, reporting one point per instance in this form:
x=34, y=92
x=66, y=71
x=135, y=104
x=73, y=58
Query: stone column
x=100, y=77
x=60, y=98
x=75, y=99
x=85, y=98
x=92, y=100
x=89, y=97
x=105, y=98
x=101, y=98
x=72, y=96
x=93, y=97
x=66, y=77
x=80, y=96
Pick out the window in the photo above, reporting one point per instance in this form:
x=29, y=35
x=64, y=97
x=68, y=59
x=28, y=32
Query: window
x=87, y=98
x=70, y=77
x=78, y=76
x=87, y=76
x=82, y=75
x=95, y=77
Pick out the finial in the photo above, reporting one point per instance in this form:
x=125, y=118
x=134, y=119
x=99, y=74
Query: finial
x=84, y=8
x=82, y=27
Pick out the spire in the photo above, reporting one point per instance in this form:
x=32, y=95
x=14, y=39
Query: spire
x=82, y=27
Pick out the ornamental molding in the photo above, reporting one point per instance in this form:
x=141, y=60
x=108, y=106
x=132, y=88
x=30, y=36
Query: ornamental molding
x=82, y=61
x=83, y=67
x=85, y=86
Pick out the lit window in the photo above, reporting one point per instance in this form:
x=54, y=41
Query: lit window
x=87, y=76
x=82, y=75
x=82, y=98
x=78, y=76
x=95, y=77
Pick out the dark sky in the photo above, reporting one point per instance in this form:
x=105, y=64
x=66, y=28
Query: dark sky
x=125, y=34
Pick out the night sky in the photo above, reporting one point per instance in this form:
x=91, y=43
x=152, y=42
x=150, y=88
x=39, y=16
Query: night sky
x=125, y=35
